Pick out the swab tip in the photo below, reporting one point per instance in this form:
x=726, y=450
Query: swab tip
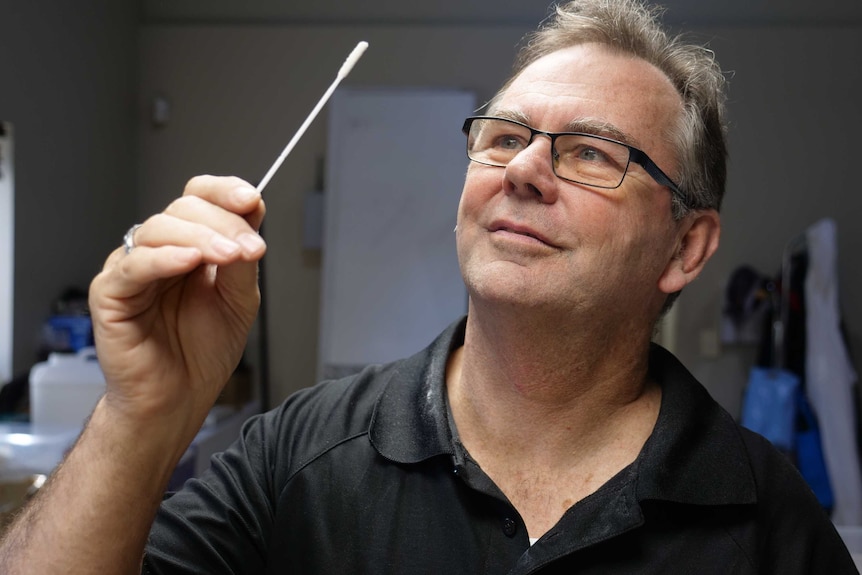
x=351, y=60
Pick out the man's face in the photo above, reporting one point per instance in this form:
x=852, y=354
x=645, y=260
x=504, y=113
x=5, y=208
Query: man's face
x=527, y=238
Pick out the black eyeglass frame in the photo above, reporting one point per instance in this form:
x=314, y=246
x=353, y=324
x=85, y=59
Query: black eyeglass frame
x=636, y=155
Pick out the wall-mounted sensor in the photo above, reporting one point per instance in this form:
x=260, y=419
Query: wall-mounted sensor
x=161, y=111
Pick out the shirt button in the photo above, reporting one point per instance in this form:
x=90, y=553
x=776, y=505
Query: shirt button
x=509, y=527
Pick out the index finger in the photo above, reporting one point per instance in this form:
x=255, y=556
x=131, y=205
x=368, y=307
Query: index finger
x=229, y=192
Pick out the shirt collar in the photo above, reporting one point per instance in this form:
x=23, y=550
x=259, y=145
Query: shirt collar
x=410, y=421
x=694, y=455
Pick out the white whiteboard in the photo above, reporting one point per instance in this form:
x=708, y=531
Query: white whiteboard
x=394, y=171
x=7, y=251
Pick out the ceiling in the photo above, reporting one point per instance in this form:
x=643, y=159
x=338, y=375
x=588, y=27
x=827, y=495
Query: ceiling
x=694, y=13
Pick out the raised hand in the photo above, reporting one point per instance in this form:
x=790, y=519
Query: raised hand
x=172, y=315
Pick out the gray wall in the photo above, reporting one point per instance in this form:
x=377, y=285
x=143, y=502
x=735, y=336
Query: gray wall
x=67, y=81
x=239, y=92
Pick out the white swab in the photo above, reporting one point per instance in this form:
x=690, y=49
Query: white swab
x=342, y=73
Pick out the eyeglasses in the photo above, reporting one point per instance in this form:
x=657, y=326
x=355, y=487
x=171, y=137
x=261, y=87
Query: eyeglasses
x=581, y=158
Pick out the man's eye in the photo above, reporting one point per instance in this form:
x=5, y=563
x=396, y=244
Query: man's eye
x=588, y=154
x=509, y=142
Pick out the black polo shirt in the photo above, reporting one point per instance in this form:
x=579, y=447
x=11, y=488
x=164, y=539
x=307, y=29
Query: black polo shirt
x=365, y=475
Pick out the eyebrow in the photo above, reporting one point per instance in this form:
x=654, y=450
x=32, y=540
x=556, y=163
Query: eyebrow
x=591, y=126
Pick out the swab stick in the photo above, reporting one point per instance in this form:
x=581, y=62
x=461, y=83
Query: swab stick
x=342, y=73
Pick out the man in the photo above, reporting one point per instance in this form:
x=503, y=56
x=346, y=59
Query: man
x=541, y=434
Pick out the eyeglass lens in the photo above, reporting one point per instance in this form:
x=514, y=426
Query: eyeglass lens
x=580, y=158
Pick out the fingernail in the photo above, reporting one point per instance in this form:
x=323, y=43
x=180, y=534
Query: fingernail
x=224, y=246
x=251, y=242
x=244, y=194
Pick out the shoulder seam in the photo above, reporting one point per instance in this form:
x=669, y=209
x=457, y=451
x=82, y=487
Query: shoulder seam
x=323, y=451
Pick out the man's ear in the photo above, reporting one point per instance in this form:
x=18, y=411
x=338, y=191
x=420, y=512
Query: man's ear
x=698, y=237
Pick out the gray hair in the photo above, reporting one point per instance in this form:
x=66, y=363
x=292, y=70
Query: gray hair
x=631, y=27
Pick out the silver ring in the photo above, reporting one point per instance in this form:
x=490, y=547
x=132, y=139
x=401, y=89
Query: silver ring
x=129, y=238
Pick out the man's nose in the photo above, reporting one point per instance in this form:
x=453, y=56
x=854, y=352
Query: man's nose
x=531, y=172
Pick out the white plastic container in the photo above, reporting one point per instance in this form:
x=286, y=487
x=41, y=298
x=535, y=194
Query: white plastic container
x=23, y=451
x=65, y=389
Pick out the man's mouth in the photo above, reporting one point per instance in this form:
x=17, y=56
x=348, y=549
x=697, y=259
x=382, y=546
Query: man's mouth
x=520, y=230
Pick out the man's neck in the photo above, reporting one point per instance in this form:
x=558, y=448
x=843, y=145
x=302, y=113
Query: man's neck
x=521, y=384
